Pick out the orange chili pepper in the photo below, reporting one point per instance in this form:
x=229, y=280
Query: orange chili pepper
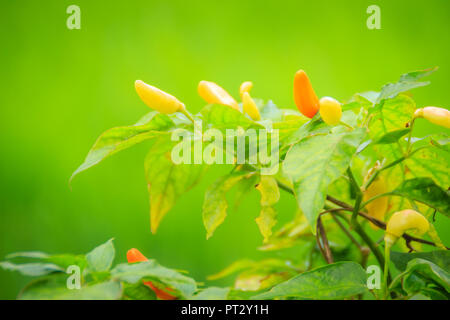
x=304, y=96
x=134, y=255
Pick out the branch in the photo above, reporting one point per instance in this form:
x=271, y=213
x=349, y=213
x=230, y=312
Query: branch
x=326, y=246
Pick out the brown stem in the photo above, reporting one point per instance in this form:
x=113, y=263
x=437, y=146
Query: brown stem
x=326, y=246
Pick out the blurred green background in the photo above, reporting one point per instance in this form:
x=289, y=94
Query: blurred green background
x=61, y=88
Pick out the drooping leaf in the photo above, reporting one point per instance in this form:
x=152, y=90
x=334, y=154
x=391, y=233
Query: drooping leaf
x=424, y=190
x=314, y=163
x=121, y=138
x=334, y=281
x=270, y=195
x=215, y=203
x=212, y=293
x=166, y=180
x=151, y=270
x=101, y=258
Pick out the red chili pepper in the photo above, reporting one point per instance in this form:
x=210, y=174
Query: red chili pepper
x=134, y=255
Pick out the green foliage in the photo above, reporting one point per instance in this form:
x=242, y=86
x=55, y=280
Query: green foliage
x=334, y=281
x=327, y=169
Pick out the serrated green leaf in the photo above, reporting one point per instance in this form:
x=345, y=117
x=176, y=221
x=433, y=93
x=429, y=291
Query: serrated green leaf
x=121, y=138
x=101, y=258
x=424, y=190
x=334, y=281
x=166, y=180
x=215, y=203
x=212, y=293
x=314, y=163
x=151, y=270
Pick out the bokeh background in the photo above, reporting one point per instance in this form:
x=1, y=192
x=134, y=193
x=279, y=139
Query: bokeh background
x=61, y=88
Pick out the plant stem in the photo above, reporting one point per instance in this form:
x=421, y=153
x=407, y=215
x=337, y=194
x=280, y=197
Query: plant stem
x=325, y=245
x=188, y=115
x=387, y=251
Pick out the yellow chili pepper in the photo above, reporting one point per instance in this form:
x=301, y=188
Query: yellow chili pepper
x=330, y=111
x=304, y=96
x=213, y=93
x=245, y=87
x=378, y=207
x=402, y=221
x=158, y=99
x=439, y=116
x=250, y=107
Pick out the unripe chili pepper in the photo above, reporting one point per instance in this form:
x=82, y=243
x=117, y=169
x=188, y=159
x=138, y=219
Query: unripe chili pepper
x=213, y=93
x=402, y=221
x=158, y=99
x=250, y=107
x=330, y=111
x=134, y=255
x=439, y=116
x=378, y=207
x=304, y=96
x=245, y=87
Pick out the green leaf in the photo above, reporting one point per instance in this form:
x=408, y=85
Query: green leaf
x=223, y=117
x=166, y=180
x=407, y=82
x=393, y=115
x=392, y=136
x=101, y=258
x=212, y=293
x=31, y=269
x=28, y=254
x=232, y=268
x=271, y=111
x=270, y=195
x=416, y=75
x=334, y=281
x=215, y=203
x=54, y=288
x=428, y=162
x=439, y=257
x=151, y=270
x=424, y=269
x=121, y=138
x=138, y=291
x=424, y=190
x=314, y=163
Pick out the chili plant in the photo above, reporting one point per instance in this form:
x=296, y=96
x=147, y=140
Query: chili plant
x=352, y=167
